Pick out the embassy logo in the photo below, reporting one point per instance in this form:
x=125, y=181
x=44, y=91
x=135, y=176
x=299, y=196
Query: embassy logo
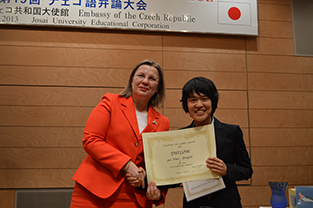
x=234, y=13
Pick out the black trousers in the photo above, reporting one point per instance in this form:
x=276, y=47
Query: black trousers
x=214, y=200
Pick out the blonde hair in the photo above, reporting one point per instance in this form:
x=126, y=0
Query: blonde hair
x=158, y=98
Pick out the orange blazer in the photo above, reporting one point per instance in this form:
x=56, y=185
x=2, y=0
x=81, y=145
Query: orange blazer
x=111, y=138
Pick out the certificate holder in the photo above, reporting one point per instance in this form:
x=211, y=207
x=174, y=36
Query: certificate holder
x=196, y=189
x=179, y=156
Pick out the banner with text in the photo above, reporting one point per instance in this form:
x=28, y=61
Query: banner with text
x=196, y=16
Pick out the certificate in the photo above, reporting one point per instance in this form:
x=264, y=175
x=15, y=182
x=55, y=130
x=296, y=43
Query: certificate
x=179, y=156
x=196, y=189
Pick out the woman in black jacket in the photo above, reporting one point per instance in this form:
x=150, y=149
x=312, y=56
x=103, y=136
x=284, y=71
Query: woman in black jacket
x=199, y=99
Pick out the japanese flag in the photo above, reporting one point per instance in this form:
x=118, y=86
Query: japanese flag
x=234, y=13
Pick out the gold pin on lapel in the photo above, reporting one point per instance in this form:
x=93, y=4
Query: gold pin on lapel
x=154, y=122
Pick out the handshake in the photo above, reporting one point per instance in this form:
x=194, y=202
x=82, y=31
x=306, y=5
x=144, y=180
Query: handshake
x=136, y=178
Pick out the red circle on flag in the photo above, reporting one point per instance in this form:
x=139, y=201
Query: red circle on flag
x=234, y=13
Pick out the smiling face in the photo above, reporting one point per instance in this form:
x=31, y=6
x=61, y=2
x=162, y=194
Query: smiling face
x=145, y=82
x=200, y=108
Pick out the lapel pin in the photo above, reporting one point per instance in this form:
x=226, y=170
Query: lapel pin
x=154, y=122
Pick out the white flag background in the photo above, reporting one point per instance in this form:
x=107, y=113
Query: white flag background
x=196, y=16
x=231, y=13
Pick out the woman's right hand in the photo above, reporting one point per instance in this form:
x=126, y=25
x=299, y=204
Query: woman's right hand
x=134, y=175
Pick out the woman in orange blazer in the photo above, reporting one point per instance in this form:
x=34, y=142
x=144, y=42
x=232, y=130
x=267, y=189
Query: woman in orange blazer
x=113, y=142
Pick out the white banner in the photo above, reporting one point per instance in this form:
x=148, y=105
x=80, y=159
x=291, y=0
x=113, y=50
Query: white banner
x=195, y=16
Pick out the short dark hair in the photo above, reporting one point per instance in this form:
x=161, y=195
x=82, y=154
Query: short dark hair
x=158, y=98
x=200, y=85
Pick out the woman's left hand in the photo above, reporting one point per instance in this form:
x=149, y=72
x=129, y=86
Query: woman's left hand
x=153, y=193
x=217, y=166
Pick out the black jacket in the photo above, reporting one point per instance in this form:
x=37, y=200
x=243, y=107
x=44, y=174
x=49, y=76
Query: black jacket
x=232, y=150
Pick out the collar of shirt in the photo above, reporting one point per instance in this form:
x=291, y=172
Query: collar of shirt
x=212, y=122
